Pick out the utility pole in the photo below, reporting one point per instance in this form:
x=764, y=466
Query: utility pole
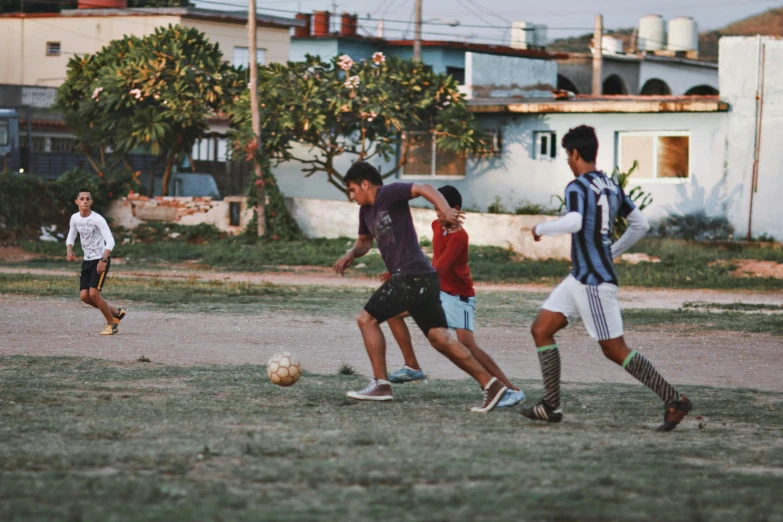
x=417, y=33
x=598, y=56
x=21, y=49
x=256, y=119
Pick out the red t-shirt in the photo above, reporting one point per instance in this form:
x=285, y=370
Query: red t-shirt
x=450, y=259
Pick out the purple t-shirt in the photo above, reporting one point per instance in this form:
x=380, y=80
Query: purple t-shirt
x=389, y=221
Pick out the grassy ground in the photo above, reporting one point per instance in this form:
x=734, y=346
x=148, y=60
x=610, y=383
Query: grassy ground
x=683, y=264
x=496, y=308
x=86, y=440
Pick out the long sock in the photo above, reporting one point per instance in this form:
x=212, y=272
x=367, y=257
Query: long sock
x=644, y=371
x=549, y=357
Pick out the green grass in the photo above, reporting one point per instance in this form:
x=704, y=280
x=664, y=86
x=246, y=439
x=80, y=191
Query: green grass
x=683, y=264
x=96, y=441
x=494, y=308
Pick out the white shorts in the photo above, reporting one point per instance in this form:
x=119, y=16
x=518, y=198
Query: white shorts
x=596, y=305
x=459, y=311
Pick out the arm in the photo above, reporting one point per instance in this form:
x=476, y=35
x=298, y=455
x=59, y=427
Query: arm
x=69, y=241
x=429, y=193
x=103, y=228
x=637, y=228
x=568, y=224
x=444, y=262
x=361, y=247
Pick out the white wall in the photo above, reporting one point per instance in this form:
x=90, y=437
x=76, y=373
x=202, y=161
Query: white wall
x=679, y=77
x=494, y=76
x=738, y=77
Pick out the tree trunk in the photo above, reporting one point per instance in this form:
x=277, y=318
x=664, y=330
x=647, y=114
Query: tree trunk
x=256, y=118
x=167, y=173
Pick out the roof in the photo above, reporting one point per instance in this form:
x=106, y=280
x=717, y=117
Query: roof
x=600, y=104
x=642, y=57
x=197, y=13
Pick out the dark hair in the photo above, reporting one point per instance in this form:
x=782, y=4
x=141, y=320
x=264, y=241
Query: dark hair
x=360, y=171
x=83, y=189
x=452, y=195
x=584, y=140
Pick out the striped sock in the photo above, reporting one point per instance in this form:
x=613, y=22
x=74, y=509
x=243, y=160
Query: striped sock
x=549, y=357
x=645, y=372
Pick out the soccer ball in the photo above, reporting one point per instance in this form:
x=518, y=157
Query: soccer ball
x=284, y=369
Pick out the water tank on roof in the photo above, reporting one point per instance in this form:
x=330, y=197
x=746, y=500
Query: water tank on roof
x=652, y=33
x=525, y=35
x=683, y=34
x=611, y=45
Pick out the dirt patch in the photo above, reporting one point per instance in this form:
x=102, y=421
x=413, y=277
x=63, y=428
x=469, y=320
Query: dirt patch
x=753, y=268
x=15, y=254
x=723, y=359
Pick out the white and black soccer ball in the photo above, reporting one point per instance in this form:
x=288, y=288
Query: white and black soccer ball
x=284, y=369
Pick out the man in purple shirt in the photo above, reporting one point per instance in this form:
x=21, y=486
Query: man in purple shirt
x=413, y=287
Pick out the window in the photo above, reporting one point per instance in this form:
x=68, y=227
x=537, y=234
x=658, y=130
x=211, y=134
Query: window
x=545, y=145
x=661, y=155
x=4, y=141
x=458, y=73
x=242, y=57
x=52, y=48
x=425, y=158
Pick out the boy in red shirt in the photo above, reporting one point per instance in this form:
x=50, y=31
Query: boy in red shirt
x=450, y=260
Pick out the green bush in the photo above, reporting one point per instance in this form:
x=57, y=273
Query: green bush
x=696, y=226
x=26, y=203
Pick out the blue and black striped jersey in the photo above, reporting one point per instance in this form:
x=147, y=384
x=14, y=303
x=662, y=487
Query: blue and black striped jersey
x=599, y=200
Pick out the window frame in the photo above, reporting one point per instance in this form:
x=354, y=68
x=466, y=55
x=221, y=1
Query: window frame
x=433, y=165
x=553, y=145
x=49, y=48
x=260, y=63
x=655, y=134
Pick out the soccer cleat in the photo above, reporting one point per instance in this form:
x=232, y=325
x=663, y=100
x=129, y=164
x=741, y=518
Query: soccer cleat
x=675, y=412
x=493, y=392
x=120, y=316
x=375, y=391
x=511, y=398
x=406, y=374
x=110, y=329
x=543, y=412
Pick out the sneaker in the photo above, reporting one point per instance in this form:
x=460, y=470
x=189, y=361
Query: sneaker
x=511, y=398
x=110, y=329
x=675, y=412
x=543, y=412
x=120, y=315
x=406, y=374
x=377, y=390
x=493, y=392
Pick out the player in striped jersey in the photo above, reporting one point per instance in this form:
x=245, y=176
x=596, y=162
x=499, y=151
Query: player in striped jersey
x=593, y=202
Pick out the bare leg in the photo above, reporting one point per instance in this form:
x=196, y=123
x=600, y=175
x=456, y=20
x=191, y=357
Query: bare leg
x=615, y=349
x=546, y=325
x=403, y=337
x=466, y=337
x=374, y=343
x=447, y=344
x=98, y=302
x=85, y=297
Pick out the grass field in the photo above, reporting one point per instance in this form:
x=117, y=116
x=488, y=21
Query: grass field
x=683, y=264
x=85, y=440
x=497, y=308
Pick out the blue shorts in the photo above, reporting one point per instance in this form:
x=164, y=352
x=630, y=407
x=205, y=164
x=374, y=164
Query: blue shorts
x=459, y=311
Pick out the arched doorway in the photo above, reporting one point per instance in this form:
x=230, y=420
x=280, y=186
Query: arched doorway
x=614, y=85
x=702, y=90
x=564, y=84
x=656, y=87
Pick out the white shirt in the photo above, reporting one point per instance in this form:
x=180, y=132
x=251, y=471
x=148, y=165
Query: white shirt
x=94, y=232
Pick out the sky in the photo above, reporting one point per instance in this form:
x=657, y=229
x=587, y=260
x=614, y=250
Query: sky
x=565, y=18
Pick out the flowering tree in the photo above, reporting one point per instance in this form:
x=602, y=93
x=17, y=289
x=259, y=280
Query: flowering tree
x=357, y=108
x=154, y=92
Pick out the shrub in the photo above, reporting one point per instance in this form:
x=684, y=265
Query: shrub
x=695, y=226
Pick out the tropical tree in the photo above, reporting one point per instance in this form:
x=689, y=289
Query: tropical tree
x=357, y=108
x=154, y=92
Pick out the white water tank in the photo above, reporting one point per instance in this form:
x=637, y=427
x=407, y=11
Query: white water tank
x=611, y=45
x=683, y=34
x=652, y=33
x=525, y=35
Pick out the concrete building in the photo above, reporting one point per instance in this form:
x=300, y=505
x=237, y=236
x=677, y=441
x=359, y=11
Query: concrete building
x=37, y=46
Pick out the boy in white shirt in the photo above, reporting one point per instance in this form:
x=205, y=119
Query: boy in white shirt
x=97, y=243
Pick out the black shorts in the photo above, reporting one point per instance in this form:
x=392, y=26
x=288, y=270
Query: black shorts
x=419, y=295
x=90, y=278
